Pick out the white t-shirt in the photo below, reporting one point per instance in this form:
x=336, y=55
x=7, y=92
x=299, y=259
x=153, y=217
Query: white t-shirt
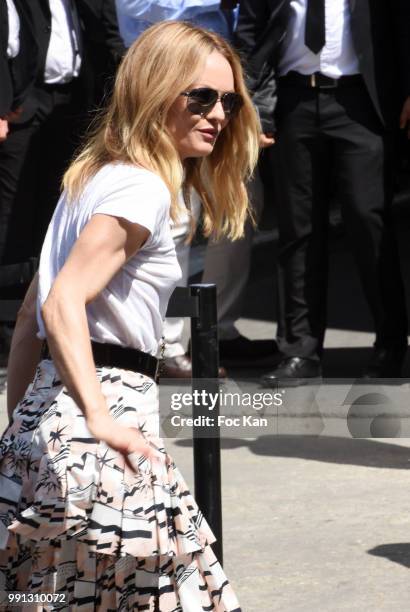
x=131, y=308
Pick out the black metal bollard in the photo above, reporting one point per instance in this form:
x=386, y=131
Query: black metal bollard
x=207, y=445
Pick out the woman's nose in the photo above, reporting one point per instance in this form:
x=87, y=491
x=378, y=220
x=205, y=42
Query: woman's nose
x=217, y=112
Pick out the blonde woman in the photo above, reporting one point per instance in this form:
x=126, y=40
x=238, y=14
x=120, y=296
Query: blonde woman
x=91, y=505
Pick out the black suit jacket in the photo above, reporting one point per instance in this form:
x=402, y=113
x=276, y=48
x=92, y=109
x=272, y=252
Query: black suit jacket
x=102, y=49
x=381, y=36
x=17, y=74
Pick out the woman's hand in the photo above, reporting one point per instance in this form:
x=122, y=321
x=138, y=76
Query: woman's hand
x=125, y=440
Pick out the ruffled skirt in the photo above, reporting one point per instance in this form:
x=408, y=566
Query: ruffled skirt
x=75, y=520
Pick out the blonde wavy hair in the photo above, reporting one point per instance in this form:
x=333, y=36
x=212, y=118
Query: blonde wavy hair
x=165, y=60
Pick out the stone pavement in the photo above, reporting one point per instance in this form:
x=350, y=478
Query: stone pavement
x=313, y=523
x=316, y=523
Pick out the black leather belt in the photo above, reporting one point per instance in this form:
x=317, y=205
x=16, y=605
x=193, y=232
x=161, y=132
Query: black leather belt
x=115, y=356
x=59, y=87
x=320, y=81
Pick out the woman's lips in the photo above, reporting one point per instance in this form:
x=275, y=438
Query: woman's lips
x=209, y=134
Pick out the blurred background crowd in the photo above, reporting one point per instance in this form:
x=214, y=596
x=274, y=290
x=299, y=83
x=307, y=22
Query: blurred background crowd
x=331, y=82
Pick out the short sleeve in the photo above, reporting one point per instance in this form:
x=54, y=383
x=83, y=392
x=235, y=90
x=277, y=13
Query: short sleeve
x=134, y=194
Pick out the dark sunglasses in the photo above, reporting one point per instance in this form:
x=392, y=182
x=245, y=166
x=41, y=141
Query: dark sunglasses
x=202, y=100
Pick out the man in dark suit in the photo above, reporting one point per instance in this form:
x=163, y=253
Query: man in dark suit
x=103, y=48
x=73, y=37
x=330, y=79
x=18, y=51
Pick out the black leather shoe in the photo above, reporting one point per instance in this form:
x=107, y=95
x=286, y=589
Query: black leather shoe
x=293, y=371
x=385, y=363
x=181, y=367
x=242, y=352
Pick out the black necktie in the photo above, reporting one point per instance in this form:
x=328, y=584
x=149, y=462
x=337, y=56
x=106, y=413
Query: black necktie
x=315, y=37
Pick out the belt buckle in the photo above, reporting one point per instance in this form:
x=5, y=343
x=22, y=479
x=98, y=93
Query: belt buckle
x=158, y=370
x=315, y=84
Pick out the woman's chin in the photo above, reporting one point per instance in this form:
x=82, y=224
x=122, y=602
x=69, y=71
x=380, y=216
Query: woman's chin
x=201, y=150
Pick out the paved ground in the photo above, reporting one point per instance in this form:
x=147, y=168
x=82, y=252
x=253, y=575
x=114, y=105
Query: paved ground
x=318, y=523
x=314, y=523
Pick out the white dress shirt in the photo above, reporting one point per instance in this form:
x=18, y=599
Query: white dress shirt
x=338, y=56
x=13, y=45
x=63, y=59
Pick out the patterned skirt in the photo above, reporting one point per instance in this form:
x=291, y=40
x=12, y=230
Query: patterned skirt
x=75, y=520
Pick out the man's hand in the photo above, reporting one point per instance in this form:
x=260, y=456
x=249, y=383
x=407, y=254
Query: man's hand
x=405, y=117
x=266, y=140
x=4, y=129
x=14, y=114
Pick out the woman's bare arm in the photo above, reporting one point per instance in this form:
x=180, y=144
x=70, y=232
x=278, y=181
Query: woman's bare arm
x=25, y=349
x=101, y=250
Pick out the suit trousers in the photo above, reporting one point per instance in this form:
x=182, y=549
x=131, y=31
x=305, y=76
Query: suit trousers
x=228, y=264
x=33, y=159
x=330, y=142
